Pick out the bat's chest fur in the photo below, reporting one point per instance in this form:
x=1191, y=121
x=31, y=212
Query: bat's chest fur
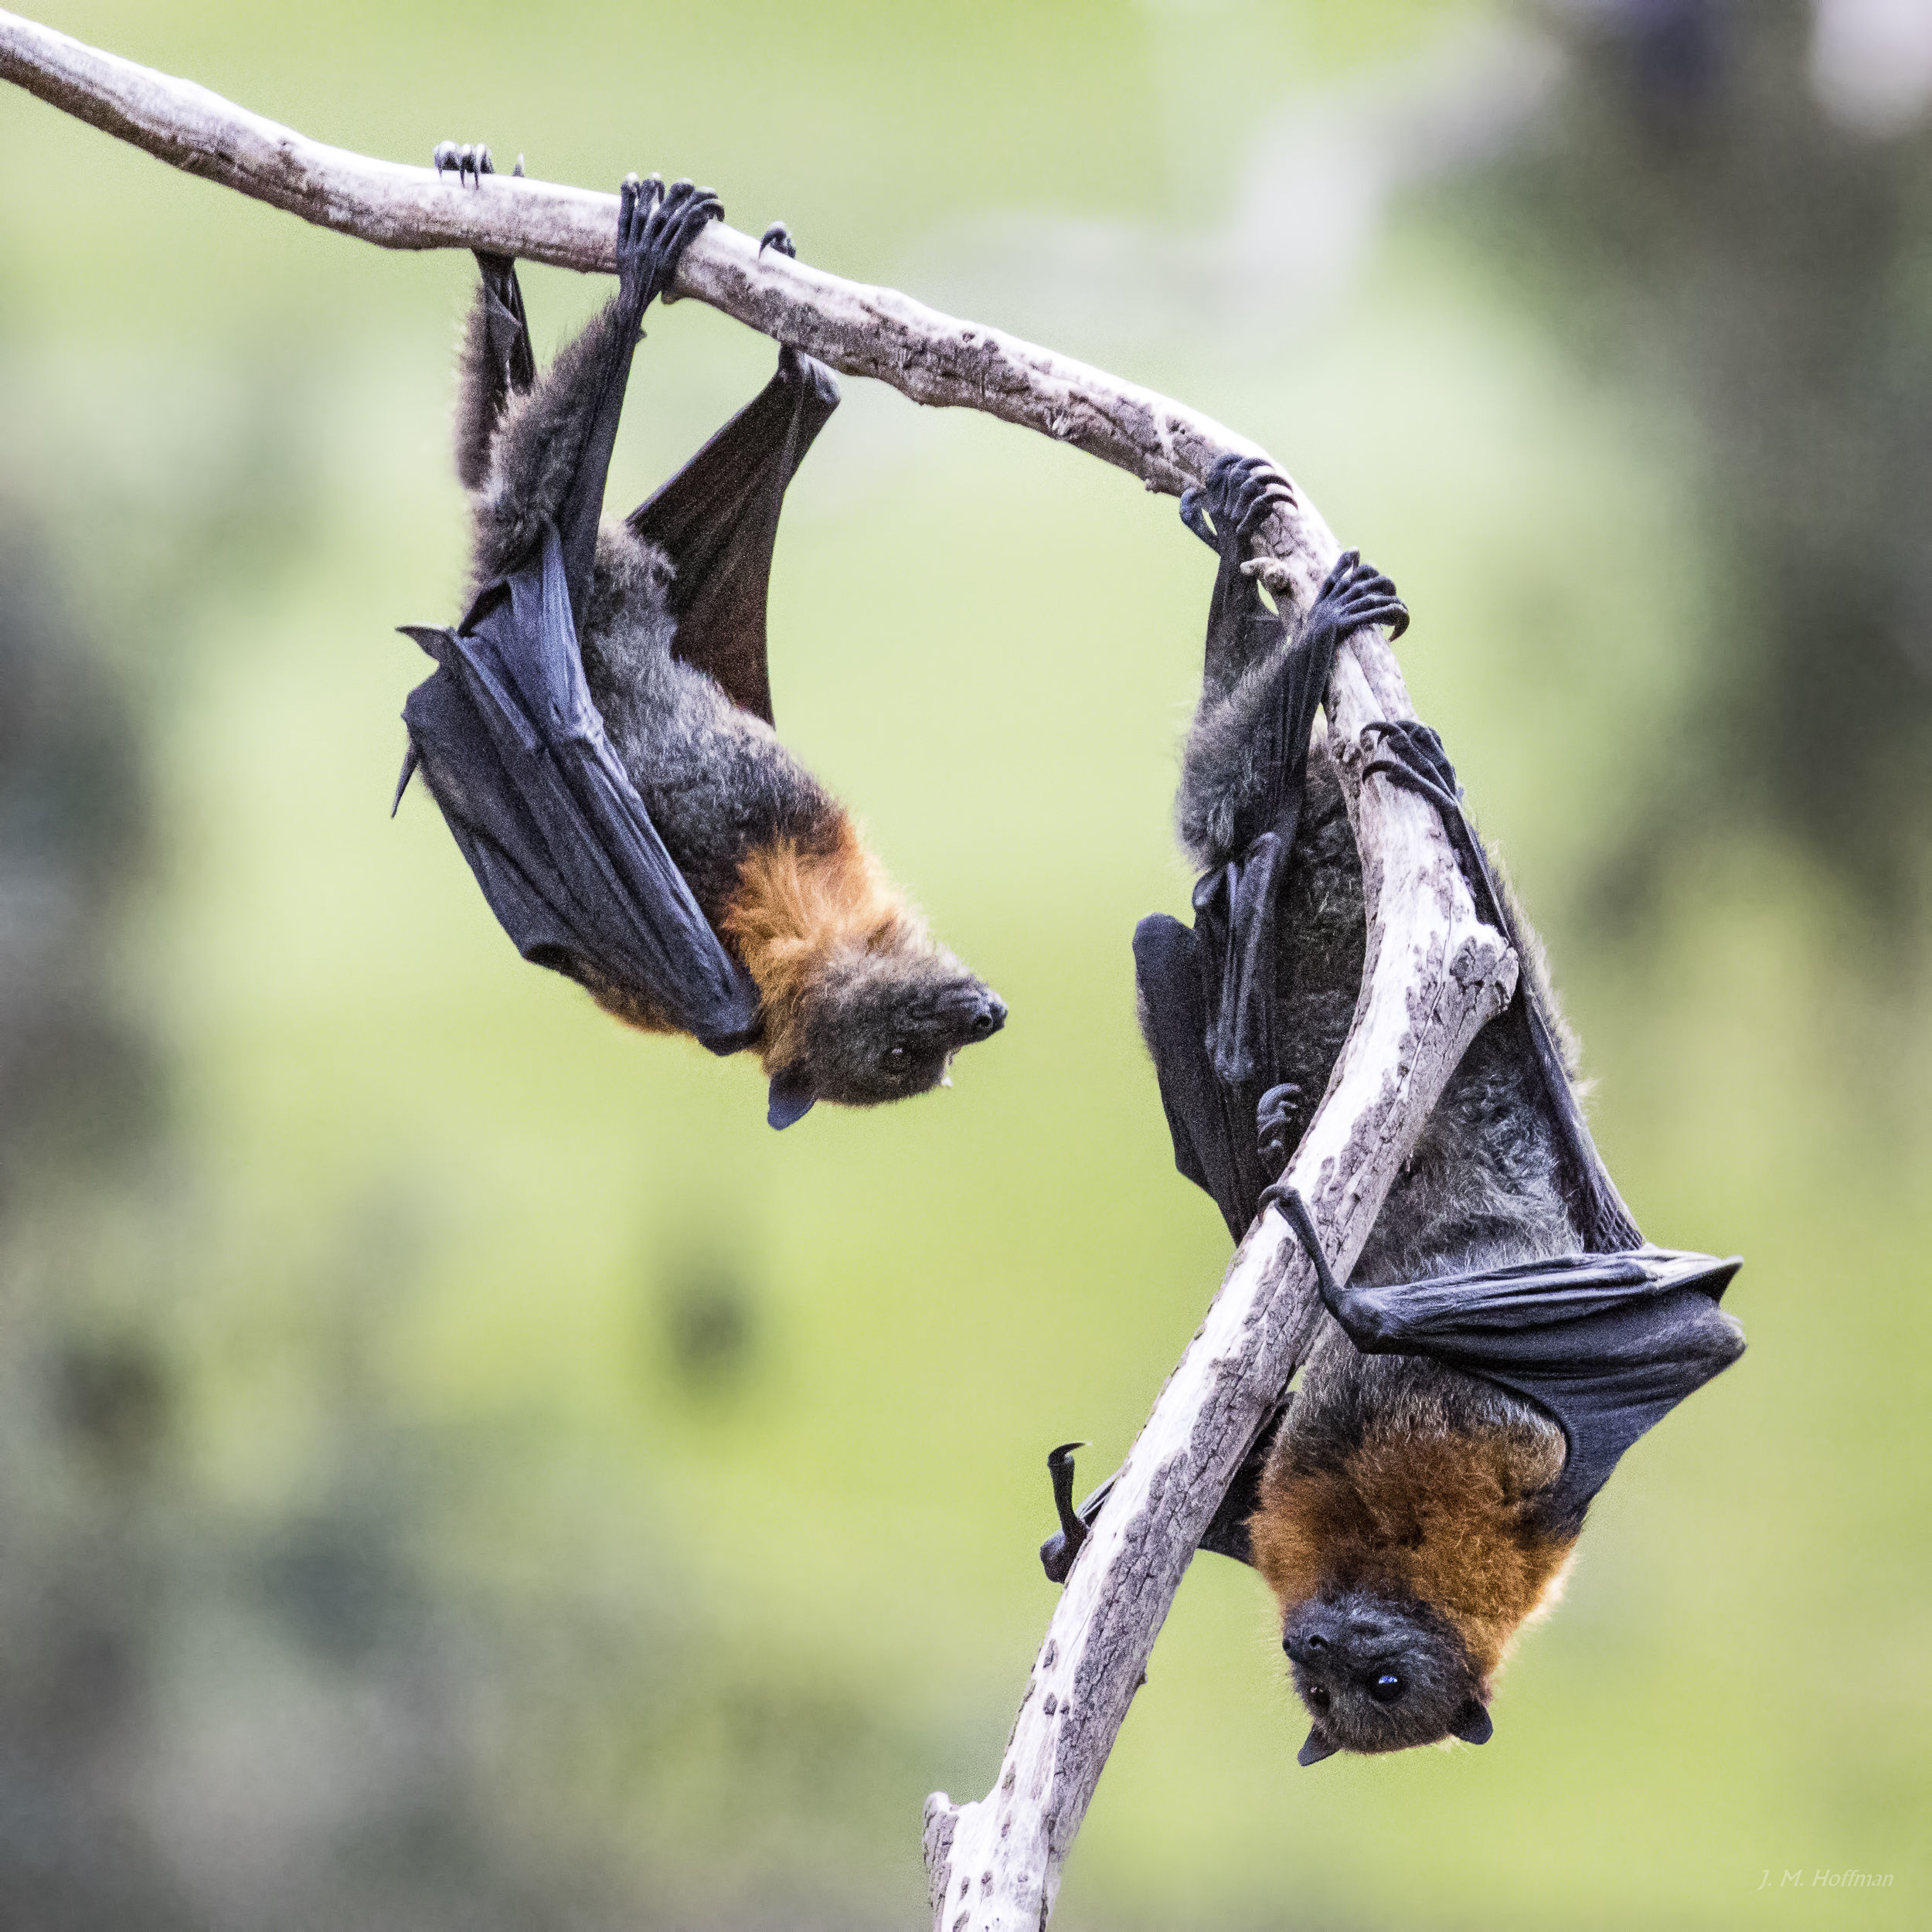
x=1392, y=1475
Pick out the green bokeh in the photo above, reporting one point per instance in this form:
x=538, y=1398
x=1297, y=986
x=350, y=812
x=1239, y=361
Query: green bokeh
x=418, y=1191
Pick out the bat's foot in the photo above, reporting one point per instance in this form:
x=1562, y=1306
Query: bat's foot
x=1057, y=1553
x=1409, y=755
x=1238, y=492
x=1354, y=595
x=471, y=160
x=655, y=225
x=1412, y=754
x=793, y=363
x=1278, y=1124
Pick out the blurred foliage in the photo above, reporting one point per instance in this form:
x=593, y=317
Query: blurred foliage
x=459, y=1467
x=1700, y=220
x=71, y=822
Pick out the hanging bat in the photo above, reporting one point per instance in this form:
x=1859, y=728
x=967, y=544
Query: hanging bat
x=599, y=732
x=1507, y=1333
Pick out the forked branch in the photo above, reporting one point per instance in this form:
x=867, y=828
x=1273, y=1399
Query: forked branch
x=1436, y=972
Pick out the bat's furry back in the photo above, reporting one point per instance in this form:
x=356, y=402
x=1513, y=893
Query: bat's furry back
x=1398, y=1523
x=859, y=1005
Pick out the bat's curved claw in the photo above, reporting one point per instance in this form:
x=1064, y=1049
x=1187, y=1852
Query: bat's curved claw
x=655, y=225
x=1411, y=752
x=1356, y=594
x=1275, y=1118
x=1057, y=1553
x=470, y=159
x=1262, y=487
x=1390, y=613
x=778, y=237
x=1193, y=514
x=1240, y=491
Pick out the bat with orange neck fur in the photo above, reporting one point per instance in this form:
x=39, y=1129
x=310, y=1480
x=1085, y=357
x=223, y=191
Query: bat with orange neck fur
x=1507, y=1332
x=599, y=732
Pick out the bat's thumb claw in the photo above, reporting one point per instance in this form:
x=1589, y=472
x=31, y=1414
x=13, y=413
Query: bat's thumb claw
x=1193, y=514
x=411, y=759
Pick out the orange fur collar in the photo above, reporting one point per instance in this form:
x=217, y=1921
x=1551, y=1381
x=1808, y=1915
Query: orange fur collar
x=793, y=910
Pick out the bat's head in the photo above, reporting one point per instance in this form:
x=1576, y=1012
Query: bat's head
x=860, y=1007
x=881, y=1023
x=1380, y=1675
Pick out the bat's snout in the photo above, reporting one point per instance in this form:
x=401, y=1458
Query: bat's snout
x=989, y=1016
x=967, y=1012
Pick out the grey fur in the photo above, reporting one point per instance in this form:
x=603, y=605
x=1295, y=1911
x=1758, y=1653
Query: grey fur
x=1223, y=779
x=880, y=1028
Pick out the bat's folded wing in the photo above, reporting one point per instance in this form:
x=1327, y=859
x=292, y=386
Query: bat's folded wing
x=555, y=833
x=717, y=520
x=1211, y=1123
x=1609, y=1345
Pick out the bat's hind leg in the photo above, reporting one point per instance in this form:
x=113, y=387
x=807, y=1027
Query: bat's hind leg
x=497, y=363
x=553, y=451
x=1240, y=492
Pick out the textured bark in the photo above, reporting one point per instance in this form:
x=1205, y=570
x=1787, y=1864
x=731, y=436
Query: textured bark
x=1436, y=973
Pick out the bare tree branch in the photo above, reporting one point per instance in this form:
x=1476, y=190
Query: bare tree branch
x=859, y=330
x=1436, y=973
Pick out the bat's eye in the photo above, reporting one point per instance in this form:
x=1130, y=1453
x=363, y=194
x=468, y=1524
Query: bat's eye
x=896, y=1057
x=1385, y=1688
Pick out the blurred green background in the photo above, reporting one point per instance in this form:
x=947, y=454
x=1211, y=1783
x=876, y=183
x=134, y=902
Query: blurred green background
x=457, y=1467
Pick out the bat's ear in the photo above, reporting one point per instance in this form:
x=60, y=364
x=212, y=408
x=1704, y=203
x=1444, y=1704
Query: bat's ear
x=1317, y=1748
x=792, y=1094
x=1471, y=1724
